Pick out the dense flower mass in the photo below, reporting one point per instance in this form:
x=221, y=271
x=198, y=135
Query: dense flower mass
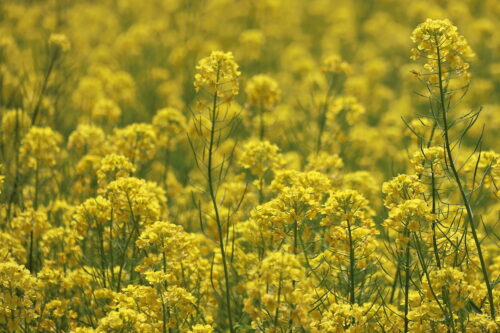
x=439, y=42
x=263, y=91
x=218, y=73
x=299, y=166
x=335, y=64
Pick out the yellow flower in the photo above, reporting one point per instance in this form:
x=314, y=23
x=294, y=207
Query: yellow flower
x=335, y=64
x=61, y=41
x=413, y=215
x=199, y=328
x=12, y=120
x=324, y=162
x=136, y=141
x=133, y=198
x=107, y=110
x=439, y=42
x=346, y=205
x=87, y=139
x=91, y=213
x=12, y=247
x=169, y=124
x=431, y=159
x=18, y=291
x=30, y=220
x=167, y=238
x=251, y=42
x=345, y=110
x=113, y=166
x=260, y=157
x=279, y=285
x=61, y=245
x=400, y=188
x=263, y=91
x=218, y=73
x=40, y=147
x=343, y=317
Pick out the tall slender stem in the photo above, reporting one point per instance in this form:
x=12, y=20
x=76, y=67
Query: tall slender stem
x=295, y=252
x=166, y=168
x=35, y=207
x=433, y=227
x=261, y=123
x=407, y=281
x=44, y=87
x=465, y=200
x=322, y=116
x=449, y=314
x=351, y=265
x=216, y=208
x=16, y=171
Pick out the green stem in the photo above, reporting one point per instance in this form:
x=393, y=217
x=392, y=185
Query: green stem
x=351, y=265
x=407, y=281
x=449, y=314
x=465, y=200
x=44, y=87
x=127, y=243
x=35, y=206
x=166, y=169
x=261, y=123
x=16, y=161
x=276, y=314
x=295, y=252
x=322, y=116
x=433, y=227
x=216, y=208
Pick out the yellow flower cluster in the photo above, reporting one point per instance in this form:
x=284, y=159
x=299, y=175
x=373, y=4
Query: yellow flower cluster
x=430, y=161
x=260, y=157
x=135, y=199
x=335, y=64
x=444, y=49
x=17, y=296
x=279, y=294
x=401, y=188
x=142, y=191
x=12, y=120
x=87, y=139
x=61, y=41
x=169, y=124
x=219, y=74
x=413, y=215
x=346, y=109
x=40, y=148
x=112, y=167
x=263, y=91
x=137, y=142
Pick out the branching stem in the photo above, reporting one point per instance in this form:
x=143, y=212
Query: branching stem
x=451, y=163
x=211, y=147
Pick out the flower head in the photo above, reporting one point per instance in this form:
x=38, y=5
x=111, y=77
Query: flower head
x=60, y=41
x=41, y=146
x=335, y=64
x=260, y=157
x=263, y=91
x=218, y=73
x=439, y=42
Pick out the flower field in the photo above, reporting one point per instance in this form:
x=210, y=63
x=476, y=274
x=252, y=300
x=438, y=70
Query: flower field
x=203, y=166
